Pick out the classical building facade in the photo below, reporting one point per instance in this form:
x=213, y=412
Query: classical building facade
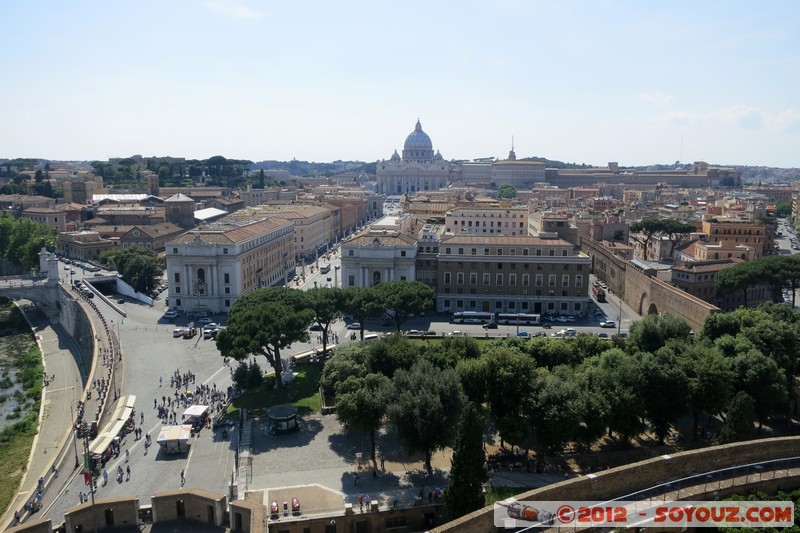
x=375, y=256
x=523, y=274
x=209, y=268
x=419, y=169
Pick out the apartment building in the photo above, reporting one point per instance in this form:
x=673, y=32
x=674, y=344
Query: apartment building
x=209, y=268
x=523, y=274
x=490, y=220
x=731, y=232
x=55, y=218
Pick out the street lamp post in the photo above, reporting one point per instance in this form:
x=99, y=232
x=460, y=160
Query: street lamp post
x=72, y=412
x=619, y=316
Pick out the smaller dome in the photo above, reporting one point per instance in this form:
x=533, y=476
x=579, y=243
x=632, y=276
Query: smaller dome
x=395, y=156
x=438, y=156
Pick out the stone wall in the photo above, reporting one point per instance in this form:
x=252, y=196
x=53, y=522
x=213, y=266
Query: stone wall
x=194, y=504
x=631, y=478
x=107, y=512
x=643, y=293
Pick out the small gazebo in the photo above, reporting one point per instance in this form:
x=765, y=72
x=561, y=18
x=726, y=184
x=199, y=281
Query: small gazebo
x=282, y=419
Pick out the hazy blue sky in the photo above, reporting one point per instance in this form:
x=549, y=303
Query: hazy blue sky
x=593, y=81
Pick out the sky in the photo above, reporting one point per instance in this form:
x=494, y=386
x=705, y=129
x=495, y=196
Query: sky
x=637, y=82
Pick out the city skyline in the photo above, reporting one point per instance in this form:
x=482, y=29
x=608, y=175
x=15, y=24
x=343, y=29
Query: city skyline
x=584, y=82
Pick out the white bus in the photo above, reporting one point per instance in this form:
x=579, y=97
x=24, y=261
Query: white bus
x=472, y=317
x=519, y=318
x=325, y=268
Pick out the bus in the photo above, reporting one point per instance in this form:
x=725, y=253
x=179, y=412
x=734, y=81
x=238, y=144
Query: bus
x=472, y=317
x=599, y=293
x=325, y=268
x=519, y=319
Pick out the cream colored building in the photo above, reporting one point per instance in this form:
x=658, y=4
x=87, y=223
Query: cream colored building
x=209, y=268
x=315, y=227
x=55, y=218
x=376, y=256
x=496, y=220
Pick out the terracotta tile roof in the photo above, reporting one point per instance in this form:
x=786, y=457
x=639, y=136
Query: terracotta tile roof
x=229, y=233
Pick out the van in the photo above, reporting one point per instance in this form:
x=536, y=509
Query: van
x=370, y=338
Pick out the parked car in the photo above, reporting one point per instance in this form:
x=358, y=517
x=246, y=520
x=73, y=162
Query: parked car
x=522, y=333
x=316, y=326
x=490, y=325
x=295, y=506
x=570, y=332
x=603, y=335
x=608, y=324
x=178, y=332
x=206, y=320
x=354, y=325
x=172, y=313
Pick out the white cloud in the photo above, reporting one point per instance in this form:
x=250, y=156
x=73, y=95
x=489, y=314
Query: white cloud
x=745, y=117
x=233, y=9
x=657, y=98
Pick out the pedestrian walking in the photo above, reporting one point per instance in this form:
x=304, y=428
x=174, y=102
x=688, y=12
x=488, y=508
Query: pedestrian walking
x=355, y=479
x=160, y=381
x=183, y=476
x=128, y=470
x=383, y=466
x=142, y=418
x=394, y=501
x=361, y=502
x=105, y=477
x=127, y=455
x=80, y=496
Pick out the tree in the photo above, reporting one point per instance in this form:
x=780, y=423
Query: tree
x=619, y=235
x=426, y=408
x=350, y=360
x=759, y=376
x=510, y=377
x=556, y=409
x=362, y=303
x=25, y=242
x=404, y=299
x=137, y=266
x=390, y=354
x=361, y=402
x=710, y=381
x=741, y=415
x=653, y=332
x=506, y=192
x=264, y=322
x=676, y=231
x=664, y=388
x=326, y=303
x=464, y=493
x=649, y=227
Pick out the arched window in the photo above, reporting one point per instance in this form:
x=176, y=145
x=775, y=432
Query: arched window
x=376, y=278
x=201, y=281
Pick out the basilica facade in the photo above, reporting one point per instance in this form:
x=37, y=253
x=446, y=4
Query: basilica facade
x=419, y=168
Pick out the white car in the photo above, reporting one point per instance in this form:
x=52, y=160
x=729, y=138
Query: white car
x=178, y=332
x=608, y=324
x=354, y=325
x=171, y=314
x=211, y=326
x=206, y=320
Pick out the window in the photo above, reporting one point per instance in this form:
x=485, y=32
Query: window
x=447, y=277
x=227, y=290
x=227, y=303
x=579, y=281
x=564, y=252
x=350, y=253
x=402, y=253
x=499, y=251
x=498, y=280
x=513, y=251
x=512, y=280
x=473, y=278
x=552, y=253
x=225, y=251
x=565, y=280
x=485, y=250
x=178, y=302
x=177, y=277
x=460, y=251
x=177, y=290
x=447, y=251
x=474, y=251
x=227, y=277
x=525, y=251
x=459, y=278
x=539, y=280
x=526, y=280
x=487, y=278
x=174, y=250
x=351, y=280
x=551, y=280
x=538, y=252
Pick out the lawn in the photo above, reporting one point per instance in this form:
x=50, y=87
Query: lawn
x=302, y=392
